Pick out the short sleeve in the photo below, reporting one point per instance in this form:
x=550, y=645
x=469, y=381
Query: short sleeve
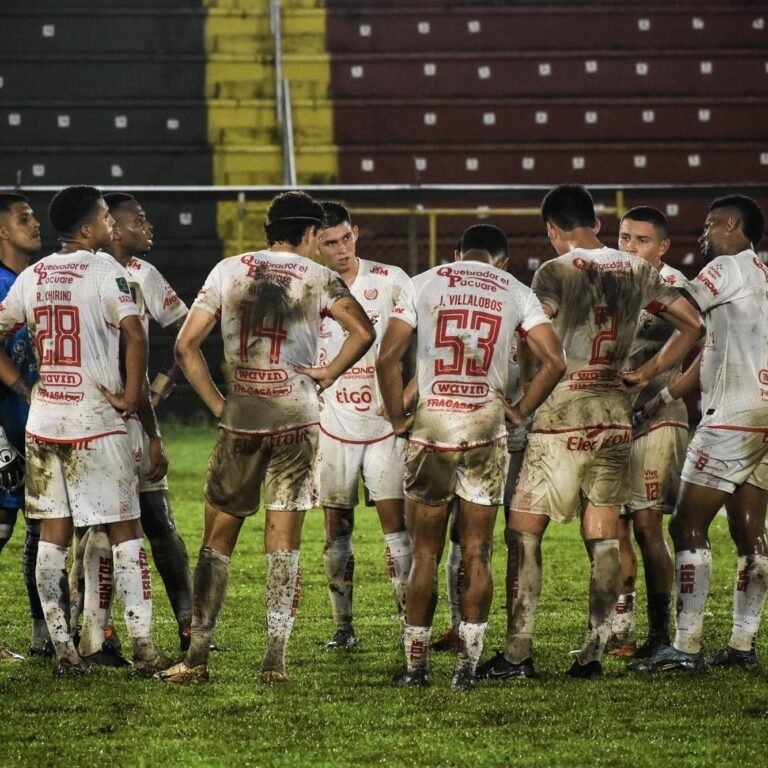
x=12, y=314
x=115, y=295
x=405, y=309
x=533, y=314
x=334, y=289
x=547, y=285
x=163, y=303
x=209, y=296
x=716, y=284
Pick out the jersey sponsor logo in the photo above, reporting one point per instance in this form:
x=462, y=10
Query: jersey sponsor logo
x=616, y=265
x=360, y=400
x=170, y=300
x=134, y=264
x=57, y=379
x=370, y=293
x=379, y=270
x=360, y=372
x=448, y=404
x=708, y=283
x=267, y=270
x=485, y=279
x=261, y=375
x=398, y=310
x=61, y=397
x=126, y=299
x=579, y=443
x=593, y=374
x=460, y=389
x=265, y=391
x=59, y=273
x=373, y=315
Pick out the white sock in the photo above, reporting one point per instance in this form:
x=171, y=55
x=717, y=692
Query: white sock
x=282, y=597
x=693, y=570
x=472, y=638
x=623, y=620
x=416, y=641
x=339, y=561
x=748, y=600
x=133, y=583
x=97, y=565
x=399, y=563
x=454, y=579
x=51, y=576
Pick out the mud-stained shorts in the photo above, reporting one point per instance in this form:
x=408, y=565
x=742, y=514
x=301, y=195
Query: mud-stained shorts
x=655, y=463
x=434, y=477
x=382, y=465
x=94, y=482
x=560, y=471
x=747, y=462
x=284, y=462
x=140, y=443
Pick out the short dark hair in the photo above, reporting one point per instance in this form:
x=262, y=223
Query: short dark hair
x=72, y=207
x=569, y=206
x=752, y=218
x=651, y=216
x=485, y=237
x=115, y=199
x=9, y=199
x=289, y=215
x=335, y=214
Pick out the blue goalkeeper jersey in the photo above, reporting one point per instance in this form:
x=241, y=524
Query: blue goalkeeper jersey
x=14, y=409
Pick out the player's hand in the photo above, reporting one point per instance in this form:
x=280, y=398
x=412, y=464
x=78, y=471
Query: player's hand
x=11, y=465
x=402, y=426
x=642, y=416
x=512, y=414
x=158, y=461
x=635, y=381
x=320, y=375
x=120, y=402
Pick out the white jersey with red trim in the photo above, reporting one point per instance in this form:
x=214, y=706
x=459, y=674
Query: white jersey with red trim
x=596, y=296
x=73, y=304
x=153, y=294
x=271, y=305
x=466, y=314
x=732, y=292
x=348, y=407
x=653, y=332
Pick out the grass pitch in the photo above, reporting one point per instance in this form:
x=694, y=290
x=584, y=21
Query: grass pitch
x=340, y=708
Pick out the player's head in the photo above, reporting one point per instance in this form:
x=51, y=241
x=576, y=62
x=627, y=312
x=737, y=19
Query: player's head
x=132, y=231
x=80, y=216
x=337, y=238
x=644, y=232
x=566, y=208
x=486, y=243
x=734, y=223
x=19, y=229
x=294, y=218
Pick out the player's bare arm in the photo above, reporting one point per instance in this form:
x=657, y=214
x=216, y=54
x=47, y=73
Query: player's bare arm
x=196, y=329
x=348, y=313
x=688, y=330
x=547, y=349
x=394, y=345
x=136, y=355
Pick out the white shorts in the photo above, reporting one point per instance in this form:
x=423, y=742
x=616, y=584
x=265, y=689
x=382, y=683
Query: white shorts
x=656, y=460
x=340, y=463
x=140, y=444
x=562, y=470
x=94, y=482
x=747, y=461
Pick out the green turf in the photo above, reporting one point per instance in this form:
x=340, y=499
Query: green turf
x=340, y=708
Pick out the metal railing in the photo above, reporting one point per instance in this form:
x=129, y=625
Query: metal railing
x=283, y=104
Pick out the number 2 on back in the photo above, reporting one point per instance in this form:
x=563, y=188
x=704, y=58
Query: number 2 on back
x=602, y=344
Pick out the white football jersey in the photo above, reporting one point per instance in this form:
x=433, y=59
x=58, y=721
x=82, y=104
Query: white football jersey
x=271, y=306
x=652, y=334
x=596, y=296
x=466, y=314
x=732, y=292
x=73, y=304
x=153, y=294
x=348, y=408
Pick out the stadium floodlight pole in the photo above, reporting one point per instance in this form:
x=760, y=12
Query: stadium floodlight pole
x=289, y=152
x=275, y=26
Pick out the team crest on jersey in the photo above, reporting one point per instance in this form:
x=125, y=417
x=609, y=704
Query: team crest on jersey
x=370, y=293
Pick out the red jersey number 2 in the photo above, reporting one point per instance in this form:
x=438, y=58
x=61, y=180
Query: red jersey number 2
x=449, y=324
x=602, y=344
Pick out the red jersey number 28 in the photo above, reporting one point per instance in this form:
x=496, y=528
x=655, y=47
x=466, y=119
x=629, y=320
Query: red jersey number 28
x=449, y=324
x=57, y=335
